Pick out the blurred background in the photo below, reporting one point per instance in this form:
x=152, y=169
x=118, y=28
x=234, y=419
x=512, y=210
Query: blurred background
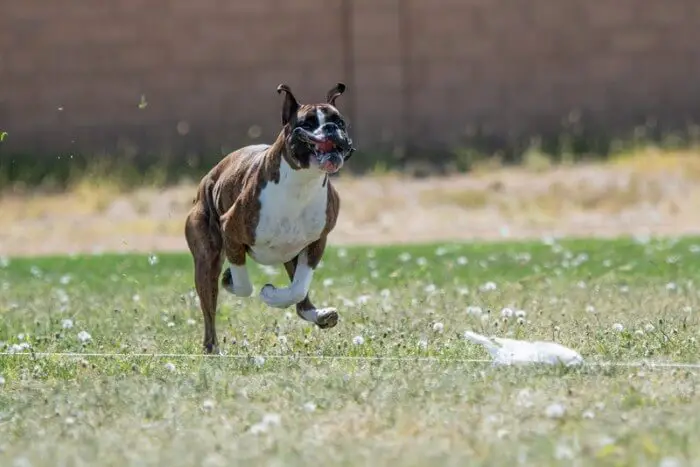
x=506, y=118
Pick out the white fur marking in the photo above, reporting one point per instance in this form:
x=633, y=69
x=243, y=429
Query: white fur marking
x=292, y=215
x=299, y=288
x=321, y=118
x=241, y=285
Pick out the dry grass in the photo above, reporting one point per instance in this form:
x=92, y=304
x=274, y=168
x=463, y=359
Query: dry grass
x=650, y=190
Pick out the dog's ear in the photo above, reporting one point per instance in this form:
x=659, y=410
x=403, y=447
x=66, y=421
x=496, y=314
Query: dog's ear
x=333, y=94
x=290, y=105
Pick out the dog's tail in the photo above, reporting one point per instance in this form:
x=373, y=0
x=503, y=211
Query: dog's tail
x=210, y=203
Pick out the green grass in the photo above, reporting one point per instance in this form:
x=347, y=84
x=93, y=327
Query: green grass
x=166, y=410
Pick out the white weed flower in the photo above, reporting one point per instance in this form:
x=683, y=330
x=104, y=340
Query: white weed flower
x=423, y=344
x=152, y=260
x=405, y=256
x=309, y=407
x=649, y=327
x=67, y=323
x=170, y=366
x=259, y=360
x=342, y=253
x=462, y=260
x=84, y=337
x=590, y=309
x=520, y=313
x=506, y=312
x=474, y=310
x=670, y=462
x=363, y=299
x=438, y=327
x=618, y=327
x=671, y=286
x=207, y=405
x=191, y=322
x=588, y=414
x=421, y=261
x=327, y=282
x=488, y=286
x=65, y=279
x=171, y=324
x=555, y=411
x=358, y=340
x=136, y=298
x=440, y=251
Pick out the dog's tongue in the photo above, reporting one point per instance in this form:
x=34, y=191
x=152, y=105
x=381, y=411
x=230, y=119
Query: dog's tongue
x=325, y=146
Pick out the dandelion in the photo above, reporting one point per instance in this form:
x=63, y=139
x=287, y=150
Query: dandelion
x=590, y=309
x=358, y=340
x=423, y=344
x=268, y=421
x=363, y=299
x=136, y=298
x=430, y=288
x=404, y=257
x=521, y=321
x=462, y=260
x=474, y=310
x=84, y=337
x=259, y=360
x=588, y=414
x=170, y=366
x=207, y=405
x=671, y=286
x=65, y=279
x=171, y=324
x=506, y=313
x=438, y=327
x=555, y=411
x=488, y=286
x=617, y=327
x=67, y=323
x=191, y=322
x=649, y=327
x=441, y=251
x=309, y=407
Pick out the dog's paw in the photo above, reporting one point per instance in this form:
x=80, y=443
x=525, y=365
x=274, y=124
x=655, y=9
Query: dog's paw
x=326, y=318
x=239, y=290
x=271, y=295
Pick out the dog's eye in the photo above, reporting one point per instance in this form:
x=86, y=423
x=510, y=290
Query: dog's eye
x=307, y=125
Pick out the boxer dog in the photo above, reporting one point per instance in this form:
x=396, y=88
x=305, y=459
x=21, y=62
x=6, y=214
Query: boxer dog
x=274, y=203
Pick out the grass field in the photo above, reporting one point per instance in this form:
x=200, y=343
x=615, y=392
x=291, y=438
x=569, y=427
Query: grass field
x=279, y=397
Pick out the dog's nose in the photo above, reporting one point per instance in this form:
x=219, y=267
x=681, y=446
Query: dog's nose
x=330, y=128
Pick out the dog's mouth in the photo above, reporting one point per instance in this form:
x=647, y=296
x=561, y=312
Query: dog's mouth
x=329, y=151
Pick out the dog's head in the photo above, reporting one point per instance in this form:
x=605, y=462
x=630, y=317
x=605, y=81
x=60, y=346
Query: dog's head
x=315, y=135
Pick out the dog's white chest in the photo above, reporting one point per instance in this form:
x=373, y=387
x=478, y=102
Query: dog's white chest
x=292, y=215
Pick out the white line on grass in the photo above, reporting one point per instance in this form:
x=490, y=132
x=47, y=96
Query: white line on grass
x=624, y=364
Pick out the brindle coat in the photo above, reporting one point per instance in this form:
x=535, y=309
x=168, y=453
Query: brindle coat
x=226, y=210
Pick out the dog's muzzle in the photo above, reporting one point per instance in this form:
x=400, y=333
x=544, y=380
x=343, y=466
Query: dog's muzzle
x=330, y=145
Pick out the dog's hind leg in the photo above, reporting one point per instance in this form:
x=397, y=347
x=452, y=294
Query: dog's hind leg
x=323, y=317
x=205, y=244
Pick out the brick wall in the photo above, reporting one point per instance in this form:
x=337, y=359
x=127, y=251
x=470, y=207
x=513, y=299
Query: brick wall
x=422, y=73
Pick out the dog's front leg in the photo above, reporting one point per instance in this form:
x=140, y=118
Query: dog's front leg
x=300, y=271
